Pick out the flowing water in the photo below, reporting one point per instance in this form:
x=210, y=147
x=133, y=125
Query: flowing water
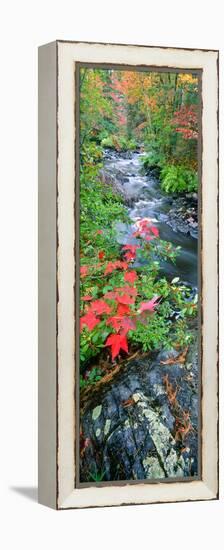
x=146, y=200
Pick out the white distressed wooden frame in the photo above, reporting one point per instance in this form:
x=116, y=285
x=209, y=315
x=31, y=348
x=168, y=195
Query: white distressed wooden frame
x=56, y=275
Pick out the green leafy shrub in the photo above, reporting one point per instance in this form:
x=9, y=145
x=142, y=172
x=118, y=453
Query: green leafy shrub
x=91, y=156
x=108, y=142
x=120, y=143
x=127, y=144
x=178, y=179
x=151, y=161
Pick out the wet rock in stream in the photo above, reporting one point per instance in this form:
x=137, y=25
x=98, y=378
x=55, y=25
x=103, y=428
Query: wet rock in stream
x=183, y=215
x=143, y=424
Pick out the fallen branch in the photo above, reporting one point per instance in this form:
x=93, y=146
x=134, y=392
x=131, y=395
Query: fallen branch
x=181, y=358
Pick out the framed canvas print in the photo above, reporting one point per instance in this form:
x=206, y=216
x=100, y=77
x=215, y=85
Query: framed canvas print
x=128, y=274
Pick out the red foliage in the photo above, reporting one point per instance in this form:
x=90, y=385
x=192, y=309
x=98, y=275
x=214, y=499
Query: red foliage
x=129, y=256
x=130, y=276
x=90, y=320
x=154, y=230
x=127, y=324
x=117, y=96
x=84, y=270
x=146, y=230
x=99, y=307
x=125, y=299
x=149, y=306
x=119, y=315
x=111, y=266
x=131, y=247
x=131, y=251
x=121, y=323
x=111, y=295
x=117, y=342
x=186, y=121
x=123, y=309
x=128, y=290
x=122, y=295
x=115, y=322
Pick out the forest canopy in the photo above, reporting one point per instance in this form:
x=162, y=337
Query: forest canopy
x=159, y=111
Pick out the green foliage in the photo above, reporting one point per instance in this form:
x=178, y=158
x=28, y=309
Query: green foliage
x=120, y=143
x=178, y=179
x=161, y=330
x=97, y=476
x=108, y=142
x=100, y=207
x=127, y=144
x=96, y=111
x=93, y=376
x=151, y=160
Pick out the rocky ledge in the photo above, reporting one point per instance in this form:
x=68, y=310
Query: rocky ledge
x=183, y=214
x=117, y=179
x=144, y=423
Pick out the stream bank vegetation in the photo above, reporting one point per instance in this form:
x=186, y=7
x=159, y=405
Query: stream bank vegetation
x=127, y=306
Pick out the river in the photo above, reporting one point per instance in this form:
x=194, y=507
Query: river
x=146, y=200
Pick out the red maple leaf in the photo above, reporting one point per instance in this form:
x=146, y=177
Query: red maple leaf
x=111, y=266
x=149, y=306
x=131, y=247
x=126, y=325
x=125, y=299
x=145, y=228
x=128, y=290
x=129, y=256
x=115, y=322
x=120, y=323
x=143, y=224
x=123, y=265
x=130, y=276
x=154, y=230
x=99, y=307
x=111, y=295
x=123, y=309
x=131, y=251
x=84, y=270
x=90, y=320
x=117, y=342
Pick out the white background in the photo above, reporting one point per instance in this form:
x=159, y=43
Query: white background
x=24, y=26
